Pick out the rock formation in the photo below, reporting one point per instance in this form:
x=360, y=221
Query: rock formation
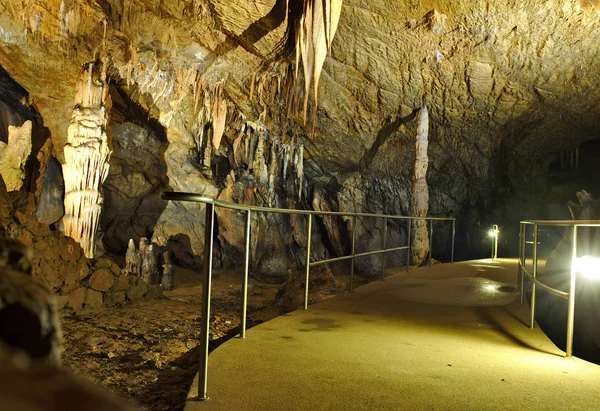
x=150, y=271
x=420, y=191
x=13, y=155
x=86, y=157
x=133, y=260
x=51, y=208
x=167, y=275
x=510, y=86
x=314, y=36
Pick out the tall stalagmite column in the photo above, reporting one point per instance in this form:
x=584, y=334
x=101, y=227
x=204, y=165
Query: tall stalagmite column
x=420, y=191
x=87, y=153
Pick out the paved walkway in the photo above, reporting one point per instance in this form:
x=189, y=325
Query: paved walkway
x=446, y=337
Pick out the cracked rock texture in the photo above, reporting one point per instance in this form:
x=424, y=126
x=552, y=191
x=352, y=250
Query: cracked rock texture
x=509, y=85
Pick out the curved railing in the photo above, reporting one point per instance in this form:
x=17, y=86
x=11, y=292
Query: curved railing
x=211, y=203
x=532, y=276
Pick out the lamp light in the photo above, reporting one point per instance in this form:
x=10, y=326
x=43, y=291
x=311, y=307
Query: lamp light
x=494, y=233
x=588, y=266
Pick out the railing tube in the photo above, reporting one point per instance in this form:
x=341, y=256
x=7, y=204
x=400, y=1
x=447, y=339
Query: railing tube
x=385, y=220
x=430, y=240
x=209, y=227
x=534, y=274
x=453, y=238
x=246, y=273
x=308, y=238
x=519, y=260
x=353, y=251
x=571, y=309
x=524, y=261
x=408, y=250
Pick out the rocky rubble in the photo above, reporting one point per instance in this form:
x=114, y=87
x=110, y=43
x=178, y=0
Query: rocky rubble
x=58, y=262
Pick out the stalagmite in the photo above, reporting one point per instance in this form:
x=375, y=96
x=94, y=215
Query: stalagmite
x=133, y=260
x=167, y=276
x=86, y=157
x=314, y=35
x=142, y=253
x=150, y=272
x=14, y=155
x=420, y=191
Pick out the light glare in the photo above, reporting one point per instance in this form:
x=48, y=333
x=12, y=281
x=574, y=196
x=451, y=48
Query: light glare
x=588, y=266
x=493, y=233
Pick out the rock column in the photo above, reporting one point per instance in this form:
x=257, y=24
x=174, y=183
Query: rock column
x=420, y=191
x=86, y=157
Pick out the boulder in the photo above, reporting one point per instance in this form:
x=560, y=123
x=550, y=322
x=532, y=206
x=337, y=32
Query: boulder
x=137, y=289
x=102, y=280
x=93, y=299
x=51, y=207
x=77, y=298
x=114, y=298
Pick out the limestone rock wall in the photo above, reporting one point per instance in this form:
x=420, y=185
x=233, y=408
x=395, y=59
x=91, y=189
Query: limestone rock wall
x=507, y=84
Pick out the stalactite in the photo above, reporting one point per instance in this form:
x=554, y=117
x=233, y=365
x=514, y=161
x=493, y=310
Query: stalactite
x=252, y=148
x=420, y=190
x=219, y=115
x=272, y=170
x=260, y=164
x=207, y=159
x=299, y=165
x=239, y=153
x=285, y=160
x=86, y=157
x=314, y=35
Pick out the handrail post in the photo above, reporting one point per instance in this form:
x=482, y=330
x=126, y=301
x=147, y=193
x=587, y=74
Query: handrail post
x=453, y=239
x=308, y=237
x=384, y=247
x=571, y=309
x=353, y=251
x=519, y=260
x=209, y=226
x=524, y=261
x=408, y=250
x=246, y=273
x=430, y=240
x=534, y=275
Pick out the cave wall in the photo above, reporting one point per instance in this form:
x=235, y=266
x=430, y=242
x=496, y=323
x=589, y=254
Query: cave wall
x=508, y=86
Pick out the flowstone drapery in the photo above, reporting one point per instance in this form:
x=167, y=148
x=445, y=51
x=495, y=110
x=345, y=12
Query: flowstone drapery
x=420, y=190
x=87, y=153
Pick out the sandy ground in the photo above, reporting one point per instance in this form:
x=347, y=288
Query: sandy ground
x=147, y=352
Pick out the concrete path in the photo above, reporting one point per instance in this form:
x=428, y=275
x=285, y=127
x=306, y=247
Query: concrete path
x=446, y=337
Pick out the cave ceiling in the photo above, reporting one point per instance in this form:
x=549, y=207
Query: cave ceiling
x=509, y=81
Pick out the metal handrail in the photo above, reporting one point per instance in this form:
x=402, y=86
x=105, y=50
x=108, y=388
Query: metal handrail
x=208, y=251
x=523, y=273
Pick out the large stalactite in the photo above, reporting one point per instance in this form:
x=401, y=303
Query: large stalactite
x=314, y=35
x=87, y=153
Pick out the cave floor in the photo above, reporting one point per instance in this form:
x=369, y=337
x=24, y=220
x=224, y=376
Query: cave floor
x=439, y=337
x=147, y=352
